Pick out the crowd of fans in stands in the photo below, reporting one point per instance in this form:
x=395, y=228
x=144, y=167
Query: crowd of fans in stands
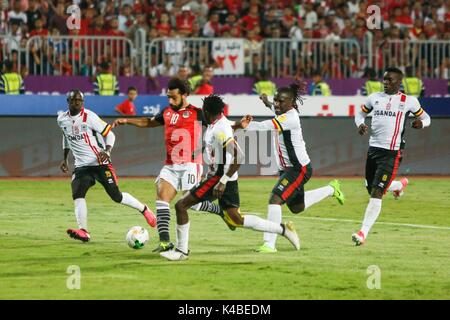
x=254, y=20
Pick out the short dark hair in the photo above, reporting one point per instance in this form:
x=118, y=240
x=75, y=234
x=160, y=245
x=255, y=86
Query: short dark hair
x=131, y=88
x=394, y=70
x=182, y=86
x=213, y=104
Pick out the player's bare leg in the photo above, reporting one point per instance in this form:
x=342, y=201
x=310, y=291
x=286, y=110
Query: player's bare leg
x=181, y=250
x=256, y=223
x=371, y=215
x=164, y=195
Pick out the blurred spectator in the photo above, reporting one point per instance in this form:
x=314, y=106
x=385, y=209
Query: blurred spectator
x=38, y=29
x=126, y=19
x=185, y=21
x=263, y=85
x=212, y=27
x=17, y=14
x=106, y=83
x=11, y=82
x=251, y=19
x=166, y=68
x=220, y=9
x=33, y=14
x=58, y=19
x=318, y=87
x=183, y=72
x=204, y=86
x=127, y=108
x=164, y=27
x=411, y=84
x=372, y=84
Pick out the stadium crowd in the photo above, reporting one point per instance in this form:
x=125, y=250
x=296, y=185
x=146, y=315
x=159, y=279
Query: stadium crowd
x=255, y=20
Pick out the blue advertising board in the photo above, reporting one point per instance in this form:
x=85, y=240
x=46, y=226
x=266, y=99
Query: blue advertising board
x=146, y=105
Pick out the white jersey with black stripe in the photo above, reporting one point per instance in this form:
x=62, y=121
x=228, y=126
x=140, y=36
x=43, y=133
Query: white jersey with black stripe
x=83, y=135
x=217, y=136
x=289, y=144
x=389, y=114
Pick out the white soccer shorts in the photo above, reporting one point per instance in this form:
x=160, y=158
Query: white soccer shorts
x=182, y=177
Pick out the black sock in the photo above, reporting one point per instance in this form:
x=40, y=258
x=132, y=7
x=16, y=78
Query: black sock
x=163, y=220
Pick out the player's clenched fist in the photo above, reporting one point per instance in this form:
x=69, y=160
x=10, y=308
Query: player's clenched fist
x=64, y=166
x=363, y=129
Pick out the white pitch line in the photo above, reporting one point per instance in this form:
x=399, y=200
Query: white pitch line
x=420, y=226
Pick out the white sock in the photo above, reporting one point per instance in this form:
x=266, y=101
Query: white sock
x=317, y=195
x=395, y=185
x=259, y=224
x=274, y=215
x=372, y=212
x=129, y=200
x=183, y=237
x=81, y=212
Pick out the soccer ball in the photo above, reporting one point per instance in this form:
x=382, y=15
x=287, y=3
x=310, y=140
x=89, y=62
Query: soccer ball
x=137, y=237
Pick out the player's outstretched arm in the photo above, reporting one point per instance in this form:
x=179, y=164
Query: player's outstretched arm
x=243, y=123
x=137, y=122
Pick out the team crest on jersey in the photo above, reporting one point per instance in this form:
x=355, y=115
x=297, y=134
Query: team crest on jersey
x=281, y=118
x=186, y=114
x=388, y=106
x=377, y=103
x=75, y=129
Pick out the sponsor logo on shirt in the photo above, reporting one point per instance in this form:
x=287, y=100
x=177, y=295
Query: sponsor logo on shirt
x=77, y=137
x=385, y=113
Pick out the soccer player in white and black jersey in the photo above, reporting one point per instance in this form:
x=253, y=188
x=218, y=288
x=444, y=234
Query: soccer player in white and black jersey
x=224, y=155
x=293, y=162
x=389, y=110
x=83, y=134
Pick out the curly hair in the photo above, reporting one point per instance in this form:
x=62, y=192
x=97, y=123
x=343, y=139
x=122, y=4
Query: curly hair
x=213, y=104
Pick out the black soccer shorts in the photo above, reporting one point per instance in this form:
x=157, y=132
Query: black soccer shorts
x=290, y=185
x=381, y=168
x=84, y=177
x=230, y=197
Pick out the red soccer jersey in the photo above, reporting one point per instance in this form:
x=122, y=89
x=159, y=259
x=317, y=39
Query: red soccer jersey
x=183, y=132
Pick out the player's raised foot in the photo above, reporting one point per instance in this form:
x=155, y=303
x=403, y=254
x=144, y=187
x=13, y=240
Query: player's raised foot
x=359, y=238
x=265, y=249
x=338, y=194
x=398, y=193
x=164, y=246
x=228, y=221
x=149, y=216
x=175, y=255
x=291, y=234
x=79, y=234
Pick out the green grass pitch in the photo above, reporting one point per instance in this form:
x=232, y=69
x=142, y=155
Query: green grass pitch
x=414, y=261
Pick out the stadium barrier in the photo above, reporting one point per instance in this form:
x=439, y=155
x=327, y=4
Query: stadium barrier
x=238, y=105
x=429, y=58
x=344, y=58
x=69, y=55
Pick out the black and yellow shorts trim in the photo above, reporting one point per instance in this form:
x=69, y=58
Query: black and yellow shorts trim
x=230, y=197
x=381, y=168
x=85, y=177
x=290, y=185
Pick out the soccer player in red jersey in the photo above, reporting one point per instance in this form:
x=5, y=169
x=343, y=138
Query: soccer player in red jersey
x=183, y=165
